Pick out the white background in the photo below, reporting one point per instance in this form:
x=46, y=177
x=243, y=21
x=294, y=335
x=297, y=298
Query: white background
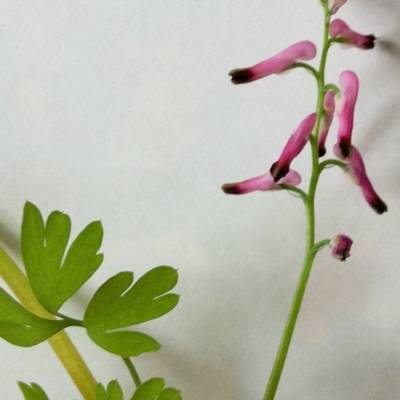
x=123, y=111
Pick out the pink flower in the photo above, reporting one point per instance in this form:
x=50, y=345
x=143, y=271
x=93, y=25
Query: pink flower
x=357, y=171
x=329, y=108
x=263, y=182
x=340, y=30
x=293, y=147
x=348, y=82
x=335, y=5
x=284, y=60
x=341, y=245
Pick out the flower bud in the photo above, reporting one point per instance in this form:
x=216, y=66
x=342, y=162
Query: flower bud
x=281, y=62
x=340, y=30
x=341, y=245
x=262, y=182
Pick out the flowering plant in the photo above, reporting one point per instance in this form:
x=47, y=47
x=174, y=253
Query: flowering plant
x=55, y=271
x=314, y=130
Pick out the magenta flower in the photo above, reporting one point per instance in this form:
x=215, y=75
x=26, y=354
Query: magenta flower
x=293, y=147
x=283, y=61
x=340, y=30
x=341, y=245
x=357, y=171
x=263, y=182
x=329, y=108
x=335, y=5
x=349, y=90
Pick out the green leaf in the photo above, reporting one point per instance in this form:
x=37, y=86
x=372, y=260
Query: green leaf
x=169, y=394
x=116, y=304
x=149, y=390
x=33, y=392
x=22, y=328
x=124, y=343
x=113, y=392
x=53, y=275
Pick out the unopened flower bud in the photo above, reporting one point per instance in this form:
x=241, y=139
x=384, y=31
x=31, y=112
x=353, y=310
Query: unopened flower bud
x=341, y=245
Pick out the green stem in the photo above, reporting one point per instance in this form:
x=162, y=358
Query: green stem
x=330, y=163
x=295, y=190
x=60, y=343
x=311, y=248
x=308, y=67
x=132, y=370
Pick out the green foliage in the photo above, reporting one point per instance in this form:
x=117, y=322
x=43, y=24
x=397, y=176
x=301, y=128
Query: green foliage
x=54, y=274
x=149, y=390
x=20, y=327
x=153, y=390
x=113, y=392
x=117, y=304
x=33, y=392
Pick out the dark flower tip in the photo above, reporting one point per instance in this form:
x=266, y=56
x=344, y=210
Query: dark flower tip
x=345, y=148
x=230, y=188
x=370, y=44
x=321, y=152
x=278, y=171
x=379, y=206
x=240, y=76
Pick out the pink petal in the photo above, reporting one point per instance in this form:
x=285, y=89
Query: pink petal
x=339, y=29
x=357, y=171
x=284, y=60
x=262, y=182
x=349, y=90
x=329, y=109
x=293, y=147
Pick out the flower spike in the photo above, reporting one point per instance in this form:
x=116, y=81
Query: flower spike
x=357, y=171
x=349, y=90
x=281, y=62
x=338, y=29
x=293, y=147
x=341, y=245
x=329, y=109
x=263, y=182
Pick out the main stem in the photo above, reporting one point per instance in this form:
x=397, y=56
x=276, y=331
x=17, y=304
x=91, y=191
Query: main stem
x=60, y=343
x=310, y=223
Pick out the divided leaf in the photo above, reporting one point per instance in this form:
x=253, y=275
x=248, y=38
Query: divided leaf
x=113, y=392
x=118, y=304
x=124, y=343
x=153, y=390
x=33, y=392
x=53, y=275
x=170, y=394
x=149, y=390
x=22, y=328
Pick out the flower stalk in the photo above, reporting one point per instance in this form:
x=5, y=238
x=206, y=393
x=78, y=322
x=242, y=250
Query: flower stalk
x=310, y=252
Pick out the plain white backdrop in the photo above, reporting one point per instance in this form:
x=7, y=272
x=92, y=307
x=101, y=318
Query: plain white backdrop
x=123, y=111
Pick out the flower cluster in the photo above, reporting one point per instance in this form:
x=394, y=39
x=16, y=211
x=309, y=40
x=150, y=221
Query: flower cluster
x=342, y=100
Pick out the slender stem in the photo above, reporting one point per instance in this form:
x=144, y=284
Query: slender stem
x=72, y=321
x=295, y=190
x=311, y=248
x=330, y=163
x=132, y=370
x=60, y=343
x=331, y=86
x=308, y=67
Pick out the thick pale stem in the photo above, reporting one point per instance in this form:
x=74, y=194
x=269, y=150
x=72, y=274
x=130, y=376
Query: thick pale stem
x=60, y=343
